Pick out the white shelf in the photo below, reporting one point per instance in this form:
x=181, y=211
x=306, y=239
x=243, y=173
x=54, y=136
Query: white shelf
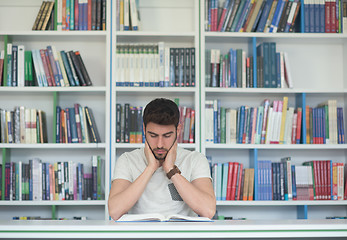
x=55, y=33
x=276, y=35
x=54, y=145
x=282, y=203
x=156, y=89
x=277, y=146
x=139, y=145
x=155, y=34
x=57, y=203
x=272, y=90
x=53, y=89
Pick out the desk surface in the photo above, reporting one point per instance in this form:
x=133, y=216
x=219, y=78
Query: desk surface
x=216, y=229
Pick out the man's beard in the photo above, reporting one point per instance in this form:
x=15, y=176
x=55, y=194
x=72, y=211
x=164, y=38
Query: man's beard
x=161, y=157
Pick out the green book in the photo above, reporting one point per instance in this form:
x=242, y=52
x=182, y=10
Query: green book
x=222, y=125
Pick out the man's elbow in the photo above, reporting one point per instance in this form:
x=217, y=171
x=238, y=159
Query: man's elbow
x=114, y=213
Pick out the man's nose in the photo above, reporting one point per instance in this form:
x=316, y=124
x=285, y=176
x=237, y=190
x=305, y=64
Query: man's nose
x=160, y=142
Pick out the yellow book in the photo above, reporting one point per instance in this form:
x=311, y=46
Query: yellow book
x=245, y=185
x=251, y=184
x=283, y=120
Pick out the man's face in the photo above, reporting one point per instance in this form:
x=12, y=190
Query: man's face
x=160, y=138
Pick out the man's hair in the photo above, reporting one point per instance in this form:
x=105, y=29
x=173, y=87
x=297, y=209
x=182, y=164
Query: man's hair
x=161, y=111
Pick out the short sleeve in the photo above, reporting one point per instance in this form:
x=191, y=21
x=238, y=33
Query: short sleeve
x=122, y=169
x=201, y=168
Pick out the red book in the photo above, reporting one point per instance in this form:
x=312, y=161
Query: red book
x=192, y=127
x=298, y=126
x=325, y=179
x=333, y=16
x=240, y=179
x=327, y=17
x=45, y=67
x=78, y=122
x=334, y=196
x=316, y=180
x=49, y=68
x=230, y=178
x=89, y=26
x=234, y=180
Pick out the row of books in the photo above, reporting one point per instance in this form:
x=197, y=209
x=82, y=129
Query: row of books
x=325, y=16
x=76, y=125
x=236, y=70
x=71, y=15
x=129, y=124
x=43, y=67
x=37, y=180
x=274, y=124
x=128, y=15
x=314, y=180
x=325, y=124
x=252, y=15
x=155, y=65
x=23, y=125
x=232, y=181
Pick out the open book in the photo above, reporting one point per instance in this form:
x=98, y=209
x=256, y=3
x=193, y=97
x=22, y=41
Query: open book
x=157, y=217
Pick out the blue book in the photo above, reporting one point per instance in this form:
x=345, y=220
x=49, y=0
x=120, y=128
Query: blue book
x=294, y=183
x=312, y=21
x=58, y=133
x=322, y=16
x=219, y=181
x=323, y=126
x=30, y=180
x=241, y=124
x=270, y=194
x=277, y=16
x=242, y=18
x=238, y=15
x=74, y=136
x=307, y=16
x=259, y=124
x=278, y=67
x=54, y=66
x=316, y=10
x=257, y=19
x=263, y=50
x=67, y=68
x=273, y=66
x=48, y=193
x=68, y=125
x=225, y=180
x=232, y=64
x=264, y=16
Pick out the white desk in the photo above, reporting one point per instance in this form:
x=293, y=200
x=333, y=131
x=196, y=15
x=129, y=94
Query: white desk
x=218, y=229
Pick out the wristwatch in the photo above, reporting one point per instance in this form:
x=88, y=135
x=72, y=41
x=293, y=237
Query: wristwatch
x=173, y=171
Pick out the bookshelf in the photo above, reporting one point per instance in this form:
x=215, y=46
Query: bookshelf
x=316, y=63
x=318, y=74
x=94, y=47
x=176, y=24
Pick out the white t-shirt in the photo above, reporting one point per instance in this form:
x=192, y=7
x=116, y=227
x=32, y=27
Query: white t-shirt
x=160, y=195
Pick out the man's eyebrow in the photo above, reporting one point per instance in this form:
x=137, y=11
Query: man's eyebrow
x=171, y=132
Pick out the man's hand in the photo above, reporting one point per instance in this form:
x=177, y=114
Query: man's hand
x=153, y=163
x=170, y=158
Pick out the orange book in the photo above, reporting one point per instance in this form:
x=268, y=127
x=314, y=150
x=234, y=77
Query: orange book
x=245, y=185
x=192, y=127
x=251, y=184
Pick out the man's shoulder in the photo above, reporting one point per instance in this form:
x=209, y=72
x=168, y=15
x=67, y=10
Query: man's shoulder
x=134, y=154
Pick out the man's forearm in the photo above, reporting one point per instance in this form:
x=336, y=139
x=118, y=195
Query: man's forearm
x=121, y=202
x=200, y=201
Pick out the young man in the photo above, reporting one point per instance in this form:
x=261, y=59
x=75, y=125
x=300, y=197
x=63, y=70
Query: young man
x=161, y=177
